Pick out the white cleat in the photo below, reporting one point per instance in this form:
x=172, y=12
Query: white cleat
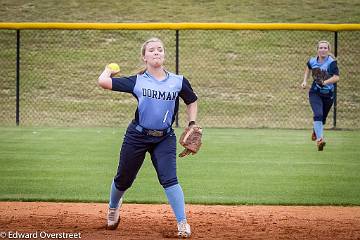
x=113, y=218
x=183, y=229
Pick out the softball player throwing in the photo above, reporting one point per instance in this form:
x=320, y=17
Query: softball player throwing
x=325, y=72
x=157, y=92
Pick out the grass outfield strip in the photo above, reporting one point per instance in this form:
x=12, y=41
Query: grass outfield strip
x=235, y=166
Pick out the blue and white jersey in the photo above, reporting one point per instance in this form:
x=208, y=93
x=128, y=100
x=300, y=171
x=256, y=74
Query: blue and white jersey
x=158, y=101
x=329, y=65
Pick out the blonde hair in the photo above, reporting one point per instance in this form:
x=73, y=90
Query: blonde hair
x=329, y=47
x=143, y=49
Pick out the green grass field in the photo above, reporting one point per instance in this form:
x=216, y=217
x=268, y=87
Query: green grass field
x=237, y=75
x=235, y=166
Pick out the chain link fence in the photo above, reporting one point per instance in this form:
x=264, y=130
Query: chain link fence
x=244, y=78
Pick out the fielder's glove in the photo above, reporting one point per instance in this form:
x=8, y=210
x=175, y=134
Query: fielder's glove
x=320, y=76
x=319, y=82
x=191, y=140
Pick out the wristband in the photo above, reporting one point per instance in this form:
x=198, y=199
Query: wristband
x=191, y=123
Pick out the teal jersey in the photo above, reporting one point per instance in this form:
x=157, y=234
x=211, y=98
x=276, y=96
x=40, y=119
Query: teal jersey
x=329, y=65
x=158, y=100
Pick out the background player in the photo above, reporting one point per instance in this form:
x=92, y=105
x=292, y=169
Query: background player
x=157, y=92
x=321, y=95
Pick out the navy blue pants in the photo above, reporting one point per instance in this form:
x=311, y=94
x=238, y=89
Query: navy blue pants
x=320, y=105
x=135, y=145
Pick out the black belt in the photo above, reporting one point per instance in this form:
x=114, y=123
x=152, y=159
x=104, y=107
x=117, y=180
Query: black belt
x=150, y=132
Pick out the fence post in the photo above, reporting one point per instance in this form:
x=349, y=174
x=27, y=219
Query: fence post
x=335, y=85
x=177, y=69
x=17, y=77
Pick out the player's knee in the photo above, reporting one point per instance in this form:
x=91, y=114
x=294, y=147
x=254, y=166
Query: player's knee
x=318, y=117
x=168, y=182
x=121, y=184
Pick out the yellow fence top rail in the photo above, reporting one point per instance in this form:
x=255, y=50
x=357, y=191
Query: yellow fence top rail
x=181, y=26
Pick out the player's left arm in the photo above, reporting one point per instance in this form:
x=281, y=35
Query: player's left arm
x=190, y=99
x=191, y=110
x=334, y=72
x=190, y=139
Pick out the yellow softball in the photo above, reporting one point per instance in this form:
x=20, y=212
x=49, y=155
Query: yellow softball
x=114, y=67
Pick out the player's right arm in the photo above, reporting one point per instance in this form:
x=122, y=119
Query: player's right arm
x=120, y=84
x=306, y=76
x=105, y=80
x=306, y=73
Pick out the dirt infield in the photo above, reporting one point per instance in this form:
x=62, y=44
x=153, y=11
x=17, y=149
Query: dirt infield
x=146, y=221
